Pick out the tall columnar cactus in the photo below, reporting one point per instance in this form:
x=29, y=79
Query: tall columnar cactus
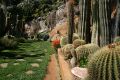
x=117, y=26
x=85, y=52
x=70, y=15
x=105, y=64
x=84, y=23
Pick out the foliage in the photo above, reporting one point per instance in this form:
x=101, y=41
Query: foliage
x=105, y=64
x=8, y=42
x=29, y=52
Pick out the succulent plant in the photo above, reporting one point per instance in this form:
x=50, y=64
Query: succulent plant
x=63, y=41
x=78, y=42
x=84, y=52
x=117, y=39
x=67, y=50
x=105, y=63
x=75, y=36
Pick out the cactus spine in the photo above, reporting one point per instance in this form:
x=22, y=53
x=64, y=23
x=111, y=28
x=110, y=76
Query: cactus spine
x=85, y=52
x=70, y=15
x=105, y=64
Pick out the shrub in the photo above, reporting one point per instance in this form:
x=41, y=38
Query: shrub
x=21, y=40
x=8, y=42
x=78, y=42
x=105, y=64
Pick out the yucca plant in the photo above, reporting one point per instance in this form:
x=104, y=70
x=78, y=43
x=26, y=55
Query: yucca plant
x=105, y=64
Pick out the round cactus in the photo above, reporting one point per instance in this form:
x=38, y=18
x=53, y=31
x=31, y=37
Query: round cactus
x=63, y=41
x=117, y=39
x=84, y=52
x=75, y=36
x=105, y=64
x=78, y=42
x=67, y=50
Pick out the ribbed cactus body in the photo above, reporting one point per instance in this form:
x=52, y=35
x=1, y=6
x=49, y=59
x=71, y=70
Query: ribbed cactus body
x=105, y=64
x=70, y=16
x=85, y=52
x=78, y=42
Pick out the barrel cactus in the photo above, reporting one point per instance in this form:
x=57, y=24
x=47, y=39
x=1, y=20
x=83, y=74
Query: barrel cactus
x=105, y=64
x=63, y=41
x=67, y=50
x=78, y=42
x=75, y=36
x=84, y=52
x=117, y=39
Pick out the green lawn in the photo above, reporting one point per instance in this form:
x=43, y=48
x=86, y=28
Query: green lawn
x=28, y=62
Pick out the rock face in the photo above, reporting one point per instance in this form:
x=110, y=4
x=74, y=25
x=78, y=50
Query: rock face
x=32, y=28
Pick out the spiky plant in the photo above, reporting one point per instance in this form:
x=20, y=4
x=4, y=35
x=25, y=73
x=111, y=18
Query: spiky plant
x=67, y=50
x=84, y=53
x=105, y=64
x=78, y=42
x=75, y=36
x=117, y=39
x=63, y=41
x=70, y=15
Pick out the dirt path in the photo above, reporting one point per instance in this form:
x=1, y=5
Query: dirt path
x=53, y=69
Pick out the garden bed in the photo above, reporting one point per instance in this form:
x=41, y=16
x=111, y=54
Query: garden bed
x=28, y=62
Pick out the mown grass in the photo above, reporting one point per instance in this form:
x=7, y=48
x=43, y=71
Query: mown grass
x=29, y=52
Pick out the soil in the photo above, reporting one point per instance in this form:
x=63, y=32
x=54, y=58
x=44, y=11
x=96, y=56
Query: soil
x=53, y=70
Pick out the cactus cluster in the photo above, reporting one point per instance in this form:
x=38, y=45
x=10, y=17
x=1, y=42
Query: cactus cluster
x=66, y=50
x=84, y=52
x=75, y=36
x=78, y=42
x=105, y=63
x=63, y=41
x=117, y=39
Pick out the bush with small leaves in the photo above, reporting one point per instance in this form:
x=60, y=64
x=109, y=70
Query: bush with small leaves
x=105, y=64
x=8, y=42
